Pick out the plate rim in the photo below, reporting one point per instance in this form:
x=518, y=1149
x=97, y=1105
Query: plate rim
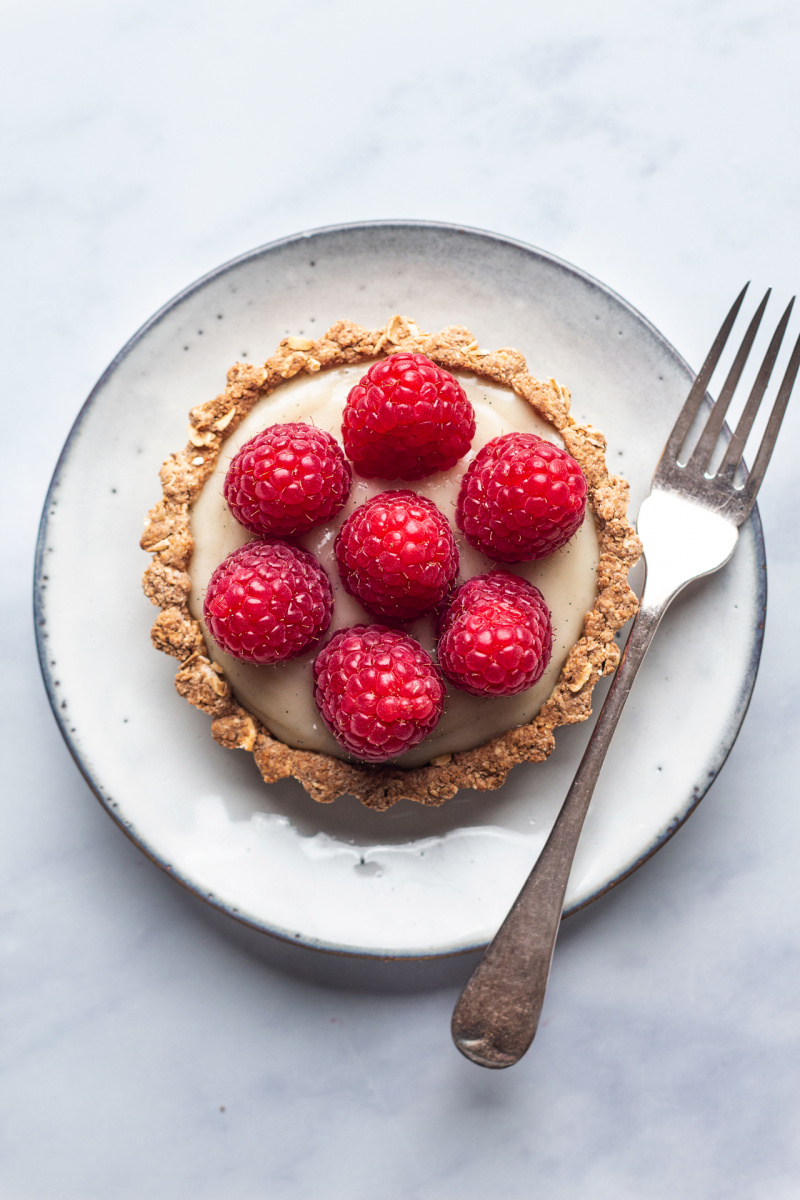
x=40, y=623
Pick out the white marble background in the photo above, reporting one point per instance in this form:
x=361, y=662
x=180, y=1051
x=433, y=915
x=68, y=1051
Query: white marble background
x=147, y=1047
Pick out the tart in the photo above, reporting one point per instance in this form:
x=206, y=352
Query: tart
x=269, y=710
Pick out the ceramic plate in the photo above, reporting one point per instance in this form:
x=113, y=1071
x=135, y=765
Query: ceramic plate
x=412, y=881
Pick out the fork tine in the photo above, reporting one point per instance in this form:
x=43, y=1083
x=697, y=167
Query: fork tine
x=700, y=385
x=771, y=432
x=735, y=450
x=702, y=452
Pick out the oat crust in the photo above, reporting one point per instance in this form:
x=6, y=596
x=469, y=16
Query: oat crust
x=168, y=538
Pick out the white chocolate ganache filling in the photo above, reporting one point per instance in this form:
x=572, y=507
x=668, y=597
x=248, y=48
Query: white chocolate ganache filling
x=282, y=696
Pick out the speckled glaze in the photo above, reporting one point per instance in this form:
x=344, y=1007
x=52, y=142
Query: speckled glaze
x=412, y=882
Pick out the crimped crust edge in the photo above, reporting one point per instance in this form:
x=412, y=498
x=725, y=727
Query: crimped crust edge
x=168, y=538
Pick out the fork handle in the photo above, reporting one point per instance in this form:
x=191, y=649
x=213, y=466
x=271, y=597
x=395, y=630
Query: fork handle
x=497, y=1014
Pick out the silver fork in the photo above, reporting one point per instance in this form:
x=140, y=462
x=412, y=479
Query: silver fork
x=689, y=525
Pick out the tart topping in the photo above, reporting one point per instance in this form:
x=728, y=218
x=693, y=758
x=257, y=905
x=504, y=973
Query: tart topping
x=194, y=523
x=378, y=691
x=496, y=638
x=397, y=555
x=287, y=480
x=268, y=602
x=521, y=498
x=407, y=419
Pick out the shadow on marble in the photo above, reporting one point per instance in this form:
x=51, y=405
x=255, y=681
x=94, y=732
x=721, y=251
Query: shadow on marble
x=385, y=976
x=338, y=971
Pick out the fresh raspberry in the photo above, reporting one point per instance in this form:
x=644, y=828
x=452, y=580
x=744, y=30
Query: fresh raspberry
x=287, y=479
x=521, y=498
x=268, y=601
x=397, y=555
x=407, y=419
x=377, y=690
x=495, y=638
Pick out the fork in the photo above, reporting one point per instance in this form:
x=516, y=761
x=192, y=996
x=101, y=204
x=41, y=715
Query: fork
x=689, y=526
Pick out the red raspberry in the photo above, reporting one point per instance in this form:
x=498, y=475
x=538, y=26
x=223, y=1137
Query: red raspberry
x=496, y=638
x=377, y=690
x=397, y=555
x=287, y=479
x=407, y=419
x=521, y=498
x=268, y=601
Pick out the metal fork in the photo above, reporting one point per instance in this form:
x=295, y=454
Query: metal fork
x=689, y=526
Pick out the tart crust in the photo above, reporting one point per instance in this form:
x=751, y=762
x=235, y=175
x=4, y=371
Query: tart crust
x=168, y=538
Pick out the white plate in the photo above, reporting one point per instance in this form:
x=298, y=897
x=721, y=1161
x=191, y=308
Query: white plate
x=413, y=881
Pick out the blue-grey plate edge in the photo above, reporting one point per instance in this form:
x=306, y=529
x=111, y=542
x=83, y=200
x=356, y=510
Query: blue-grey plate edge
x=698, y=791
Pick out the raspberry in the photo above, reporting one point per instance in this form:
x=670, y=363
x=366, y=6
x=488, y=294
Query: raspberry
x=495, y=638
x=377, y=690
x=287, y=479
x=397, y=555
x=407, y=419
x=268, y=601
x=521, y=498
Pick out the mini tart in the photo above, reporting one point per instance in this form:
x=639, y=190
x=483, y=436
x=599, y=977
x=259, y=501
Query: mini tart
x=168, y=585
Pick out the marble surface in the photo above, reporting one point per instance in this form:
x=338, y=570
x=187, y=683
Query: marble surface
x=151, y=1048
